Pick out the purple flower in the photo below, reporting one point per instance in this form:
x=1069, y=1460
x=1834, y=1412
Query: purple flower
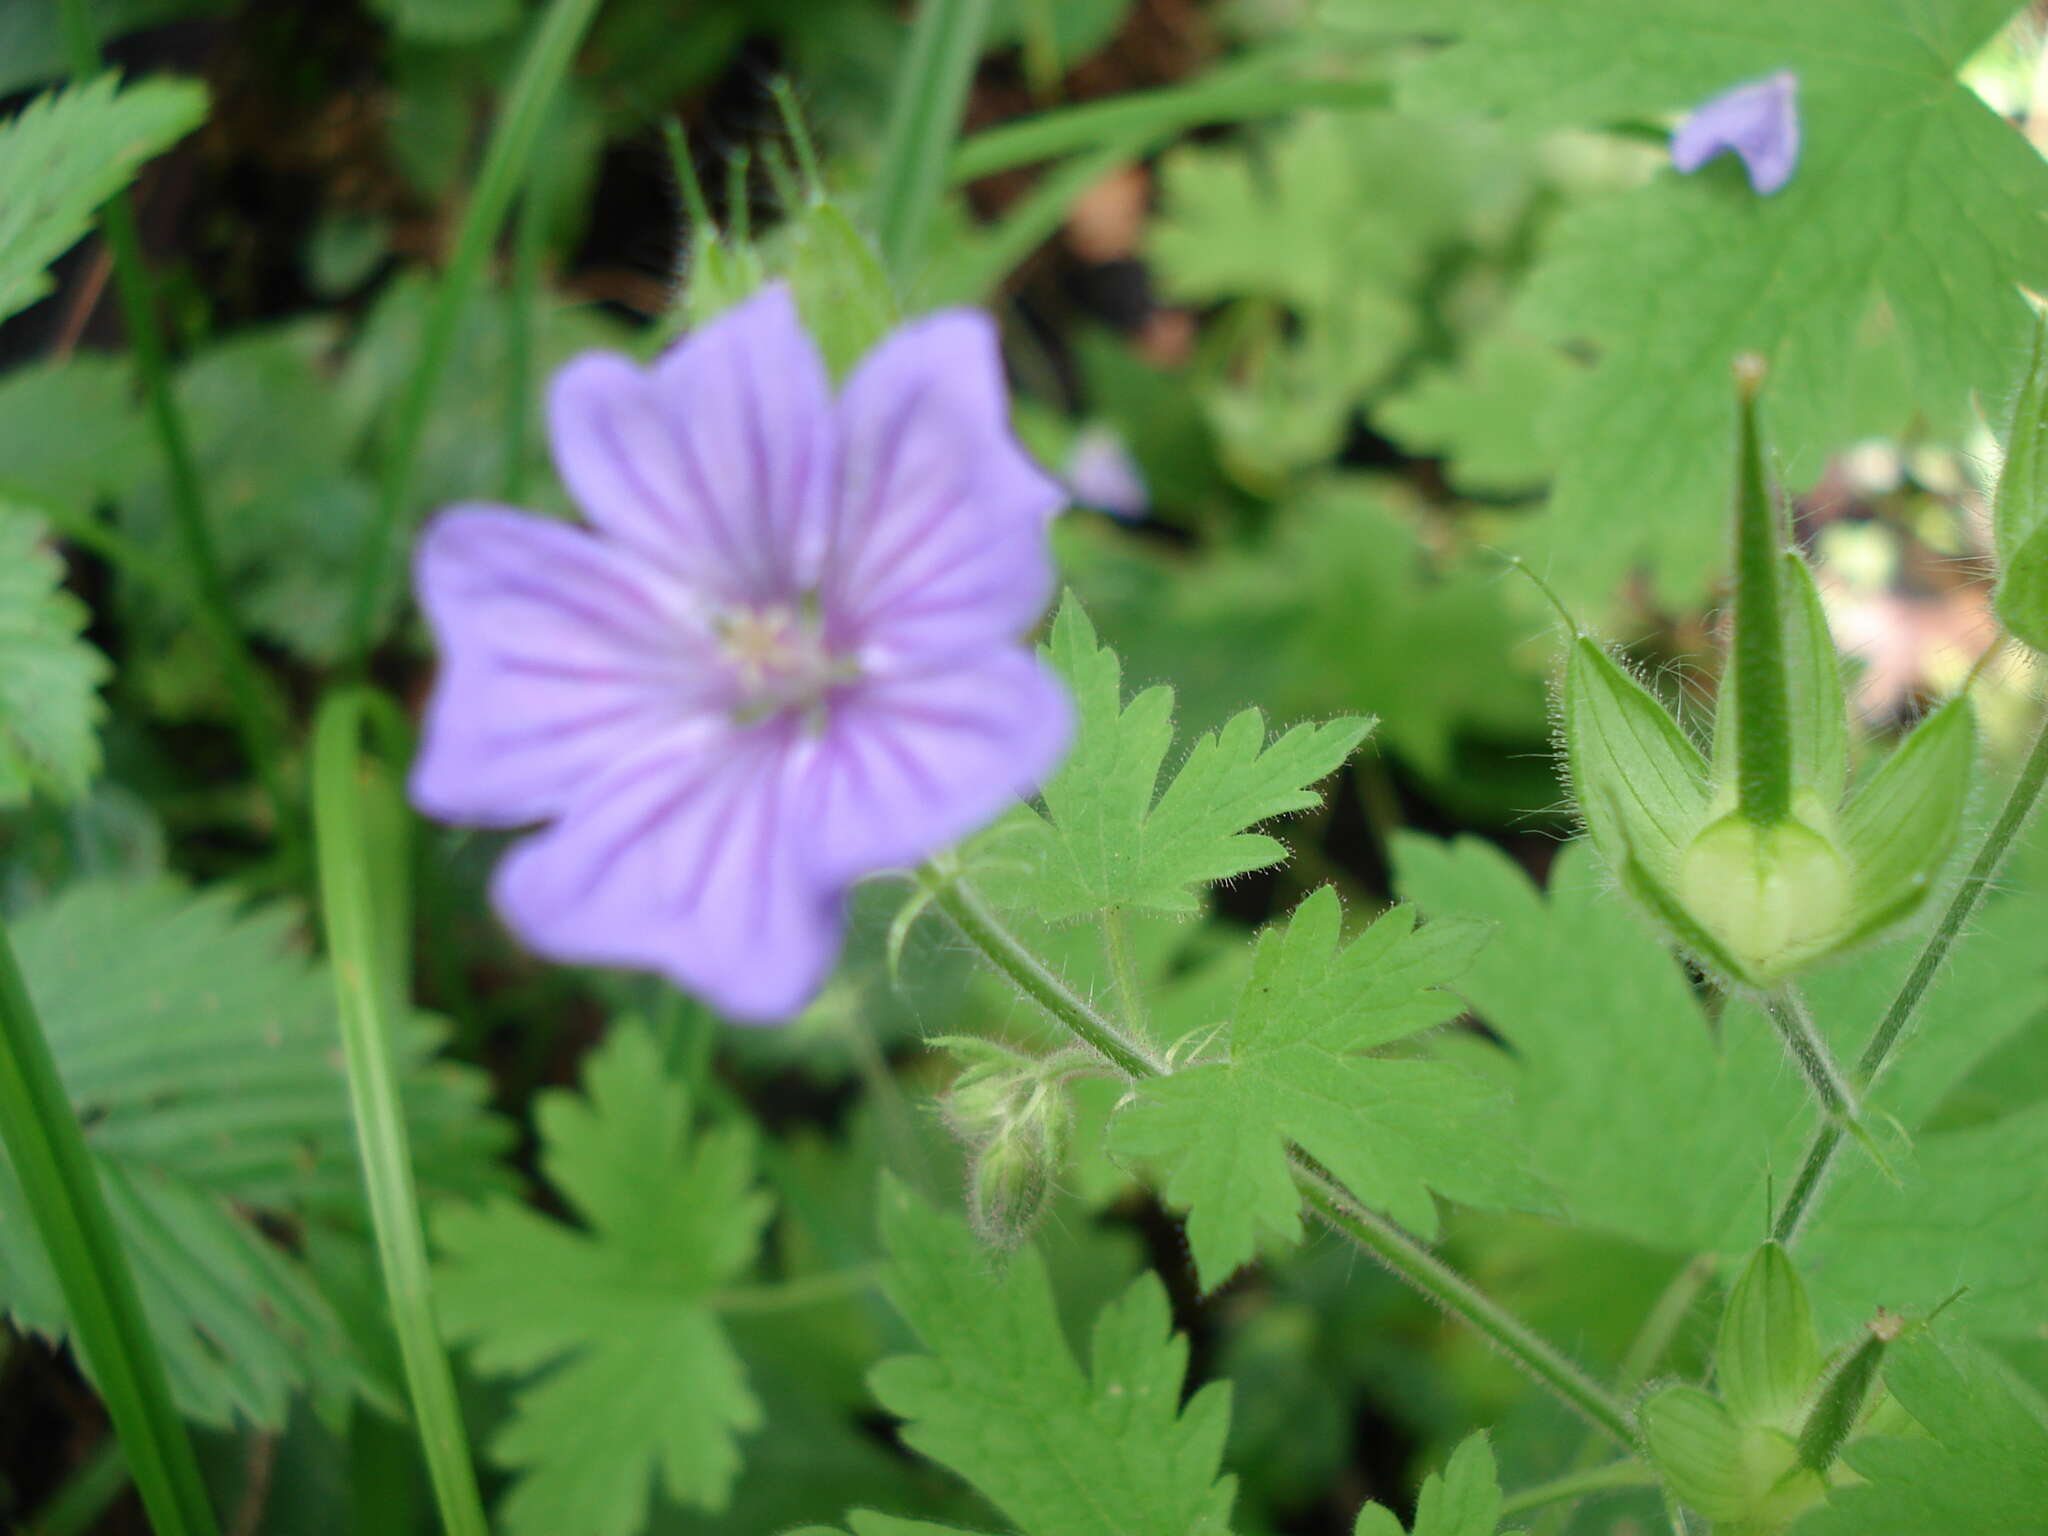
x=1758, y=121
x=787, y=654
x=1101, y=473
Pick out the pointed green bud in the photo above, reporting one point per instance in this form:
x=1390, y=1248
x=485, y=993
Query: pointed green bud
x=1841, y=1401
x=1748, y=1479
x=2019, y=511
x=1752, y=861
x=1768, y=1360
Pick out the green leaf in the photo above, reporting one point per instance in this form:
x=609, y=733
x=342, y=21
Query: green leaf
x=1392, y=1129
x=1483, y=413
x=71, y=434
x=49, y=677
x=1980, y=1467
x=1108, y=1450
x=1829, y=279
x=2019, y=511
x=639, y=1381
x=67, y=152
x=1109, y=838
x=1464, y=1500
x=202, y=1053
x=449, y=21
x=1650, y=1122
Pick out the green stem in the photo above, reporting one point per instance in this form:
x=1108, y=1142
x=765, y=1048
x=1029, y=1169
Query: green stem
x=1787, y=1010
x=1401, y=1253
x=1254, y=88
x=255, y=723
x=1575, y=1485
x=555, y=40
x=76, y=1508
x=358, y=839
x=2012, y=817
x=1123, y=966
x=808, y=1291
x=931, y=93
x=529, y=230
x=41, y=1134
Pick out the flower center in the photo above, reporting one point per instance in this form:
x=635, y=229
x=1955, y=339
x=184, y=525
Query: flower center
x=779, y=659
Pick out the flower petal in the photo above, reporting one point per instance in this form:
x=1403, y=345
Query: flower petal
x=1758, y=121
x=938, y=545
x=685, y=861
x=719, y=462
x=559, y=654
x=910, y=764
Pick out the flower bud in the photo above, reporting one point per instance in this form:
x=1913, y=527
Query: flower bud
x=1013, y=1176
x=1761, y=859
x=1748, y=1477
x=1768, y=1358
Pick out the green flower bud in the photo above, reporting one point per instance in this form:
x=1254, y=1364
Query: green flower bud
x=1761, y=859
x=1768, y=1358
x=1747, y=1478
x=1012, y=1177
x=2019, y=511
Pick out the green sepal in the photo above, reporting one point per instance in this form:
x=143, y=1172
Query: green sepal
x=1818, y=717
x=1746, y=1479
x=2019, y=510
x=1902, y=822
x=1769, y=1356
x=1841, y=1401
x=1642, y=784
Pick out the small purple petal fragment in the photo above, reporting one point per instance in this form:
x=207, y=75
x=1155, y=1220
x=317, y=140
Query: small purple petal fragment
x=1102, y=474
x=1758, y=121
x=788, y=653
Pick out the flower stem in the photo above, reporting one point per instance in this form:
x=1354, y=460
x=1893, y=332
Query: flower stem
x=1574, y=1485
x=555, y=40
x=255, y=721
x=1794, y=1020
x=40, y=1131
x=1400, y=1252
x=360, y=840
x=1898, y=1018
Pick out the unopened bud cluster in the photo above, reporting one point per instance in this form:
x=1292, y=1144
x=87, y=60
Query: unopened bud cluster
x=1762, y=1451
x=1759, y=857
x=1012, y=1112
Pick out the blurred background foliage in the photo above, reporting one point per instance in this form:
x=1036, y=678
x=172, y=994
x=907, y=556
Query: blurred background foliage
x=1291, y=364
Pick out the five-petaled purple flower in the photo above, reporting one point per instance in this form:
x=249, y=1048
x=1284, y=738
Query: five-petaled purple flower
x=788, y=654
x=1758, y=121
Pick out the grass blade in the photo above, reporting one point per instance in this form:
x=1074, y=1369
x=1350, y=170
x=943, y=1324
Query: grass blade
x=40, y=1130
x=359, y=835
x=930, y=93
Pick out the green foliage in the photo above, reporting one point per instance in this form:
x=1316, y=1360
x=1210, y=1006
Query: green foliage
x=639, y=1383
x=1062, y=1450
x=1483, y=413
x=1109, y=837
x=449, y=21
x=1463, y=1500
x=63, y=155
x=202, y=1054
x=1674, y=279
x=2019, y=513
x=1646, y=1121
x=70, y=433
x=49, y=677
x=1979, y=1466
x=1392, y=1129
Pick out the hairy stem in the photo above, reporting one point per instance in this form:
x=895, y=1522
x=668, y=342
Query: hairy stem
x=1123, y=966
x=61, y=1188
x=1898, y=1018
x=1406, y=1256
x=1794, y=1021
x=255, y=721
